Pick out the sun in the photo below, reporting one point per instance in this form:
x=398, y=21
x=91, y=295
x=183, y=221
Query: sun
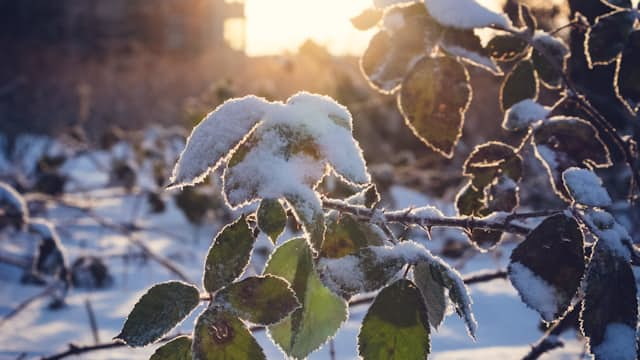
x=276, y=26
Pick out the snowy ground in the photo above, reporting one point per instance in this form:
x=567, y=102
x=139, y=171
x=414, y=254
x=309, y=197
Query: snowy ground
x=506, y=327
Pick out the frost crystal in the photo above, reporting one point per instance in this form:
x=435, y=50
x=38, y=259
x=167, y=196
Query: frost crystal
x=465, y=14
x=523, y=114
x=586, y=187
x=540, y=294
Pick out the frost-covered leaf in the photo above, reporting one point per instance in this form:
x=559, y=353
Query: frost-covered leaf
x=218, y=335
x=502, y=195
x=263, y=300
x=610, y=309
x=272, y=218
x=627, y=79
x=228, y=256
x=491, y=160
x=346, y=235
x=159, y=310
x=322, y=312
x=432, y=292
x=465, y=14
x=547, y=267
x=49, y=258
x=520, y=84
x=368, y=197
x=409, y=33
x=527, y=18
x=367, y=19
x=434, y=98
x=466, y=45
x=506, y=47
x=396, y=325
x=13, y=209
x=610, y=234
x=470, y=200
x=523, y=114
x=307, y=208
x=176, y=349
x=367, y=269
x=549, y=58
x=585, y=187
x=606, y=39
x=616, y=4
x=564, y=142
x=215, y=137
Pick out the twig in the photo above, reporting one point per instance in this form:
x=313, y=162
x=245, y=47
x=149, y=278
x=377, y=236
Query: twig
x=549, y=341
x=466, y=222
x=23, y=305
x=92, y=321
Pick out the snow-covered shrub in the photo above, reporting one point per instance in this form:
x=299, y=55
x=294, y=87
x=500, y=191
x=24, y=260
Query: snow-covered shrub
x=277, y=153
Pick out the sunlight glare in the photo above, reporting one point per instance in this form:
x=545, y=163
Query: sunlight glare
x=275, y=26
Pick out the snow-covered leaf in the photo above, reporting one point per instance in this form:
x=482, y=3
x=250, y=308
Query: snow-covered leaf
x=506, y=47
x=491, y=160
x=606, y=39
x=523, y=114
x=409, y=33
x=49, y=258
x=465, y=14
x=549, y=58
x=520, y=84
x=218, y=335
x=627, y=78
x=322, y=312
x=585, y=187
x=547, y=267
x=307, y=208
x=433, y=293
x=564, y=142
x=610, y=234
x=228, y=256
x=346, y=235
x=272, y=218
x=176, y=349
x=367, y=19
x=466, y=45
x=610, y=309
x=159, y=310
x=396, y=325
x=215, y=137
x=434, y=115
x=13, y=209
x=263, y=300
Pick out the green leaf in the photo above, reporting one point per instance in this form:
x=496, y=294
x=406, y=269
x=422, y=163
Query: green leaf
x=393, y=50
x=520, y=84
x=491, y=160
x=432, y=292
x=610, y=302
x=322, y=313
x=261, y=300
x=565, y=142
x=627, y=79
x=159, y=310
x=552, y=259
x=396, y=325
x=367, y=19
x=176, y=349
x=228, y=256
x=434, y=98
x=346, y=235
x=606, y=39
x=307, y=208
x=272, y=218
x=506, y=47
x=218, y=335
x=551, y=60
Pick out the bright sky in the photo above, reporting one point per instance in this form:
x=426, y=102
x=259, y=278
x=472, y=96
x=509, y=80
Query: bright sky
x=274, y=26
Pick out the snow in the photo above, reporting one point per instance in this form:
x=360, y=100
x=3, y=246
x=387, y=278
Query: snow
x=619, y=343
x=344, y=272
x=610, y=233
x=9, y=196
x=535, y=291
x=524, y=114
x=381, y=4
x=217, y=135
x=465, y=14
x=586, y=187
